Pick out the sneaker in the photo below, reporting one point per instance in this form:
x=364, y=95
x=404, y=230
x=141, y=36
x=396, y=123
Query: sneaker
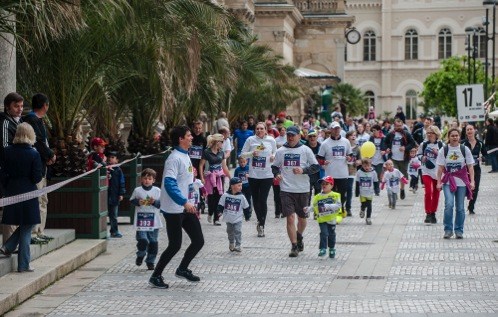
x=322, y=252
x=362, y=212
x=116, y=235
x=368, y=221
x=258, y=229
x=4, y=252
x=390, y=206
x=331, y=253
x=157, y=282
x=433, y=219
x=428, y=218
x=471, y=212
x=415, y=190
x=447, y=235
x=277, y=216
x=231, y=247
x=237, y=249
x=459, y=235
x=150, y=266
x=210, y=219
x=261, y=232
x=349, y=214
x=44, y=237
x=300, y=245
x=28, y=270
x=248, y=219
x=294, y=252
x=36, y=240
x=216, y=223
x=139, y=260
x=402, y=194
x=187, y=274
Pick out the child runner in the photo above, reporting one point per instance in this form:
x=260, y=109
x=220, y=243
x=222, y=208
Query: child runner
x=413, y=169
x=115, y=193
x=147, y=218
x=242, y=172
x=326, y=207
x=233, y=205
x=367, y=184
x=391, y=179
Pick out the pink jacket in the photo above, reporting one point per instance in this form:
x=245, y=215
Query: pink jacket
x=449, y=178
x=213, y=179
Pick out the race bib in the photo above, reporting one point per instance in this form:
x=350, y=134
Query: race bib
x=397, y=141
x=232, y=204
x=191, y=194
x=243, y=177
x=365, y=182
x=259, y=162
x=195, y=152
x=292, y=160
x=393, y=182
x=338, y=151
x=145, y=221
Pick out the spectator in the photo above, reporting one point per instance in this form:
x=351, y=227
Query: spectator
x=240, y=136
x=492, y=144
x=400, y=114
x=21, y=173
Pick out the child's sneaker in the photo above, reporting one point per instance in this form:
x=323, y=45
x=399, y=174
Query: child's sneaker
x=210, y=218
x=150, y=266
x=231, y=247
x=331, y=253
x=368, y=221
x=322, y=252
x=237, y=249
x=362, y=212
x=139, y=260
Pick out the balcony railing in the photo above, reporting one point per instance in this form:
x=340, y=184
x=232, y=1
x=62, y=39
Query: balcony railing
x=320, y=6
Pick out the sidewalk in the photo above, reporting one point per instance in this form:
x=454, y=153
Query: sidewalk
x=397, y=266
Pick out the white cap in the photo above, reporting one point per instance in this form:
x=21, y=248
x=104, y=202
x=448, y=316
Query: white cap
x=334, y=125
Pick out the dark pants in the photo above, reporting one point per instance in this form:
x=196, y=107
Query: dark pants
x=414, y=181
x=174, y=224
x=477, y=180
x=213, y=201
x=113, y=218
x=315, y=185
x=349, y=194
x=246, y=190
x=260, y=188
x=276, y=199
x=367, y=204
x=341, y=187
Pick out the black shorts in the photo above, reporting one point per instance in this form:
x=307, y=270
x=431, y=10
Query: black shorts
x=294, y=203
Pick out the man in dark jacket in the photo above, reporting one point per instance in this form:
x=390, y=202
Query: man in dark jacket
x=115, y=192
x=13, y=105
x=397, y=145
x=39, y=104
x=491, y=142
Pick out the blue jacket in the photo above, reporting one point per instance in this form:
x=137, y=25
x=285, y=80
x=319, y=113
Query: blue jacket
x=22, y=171
x=116, y=186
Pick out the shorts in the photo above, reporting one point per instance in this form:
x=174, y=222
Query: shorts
x=294, y=203
x=402, y=166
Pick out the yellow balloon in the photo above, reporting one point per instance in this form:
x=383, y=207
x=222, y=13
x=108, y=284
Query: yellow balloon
x=367, y=150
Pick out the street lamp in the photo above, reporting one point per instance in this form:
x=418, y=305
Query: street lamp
x=489, y=4
x=471, y=49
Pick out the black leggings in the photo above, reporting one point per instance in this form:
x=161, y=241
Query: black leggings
x=260, y=188
x=174, y=224
x=341, y=187
x=213, y=201
x=477, y=180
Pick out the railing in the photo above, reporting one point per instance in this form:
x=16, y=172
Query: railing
x=319, y=6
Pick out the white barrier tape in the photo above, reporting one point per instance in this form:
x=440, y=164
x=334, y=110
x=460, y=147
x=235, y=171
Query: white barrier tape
x=151, y=155
x=37, y=193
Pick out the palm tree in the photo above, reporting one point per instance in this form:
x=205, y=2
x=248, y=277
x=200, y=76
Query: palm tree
x=350, y=98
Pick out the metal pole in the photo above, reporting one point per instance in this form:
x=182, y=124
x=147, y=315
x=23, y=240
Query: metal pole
x=494, y=48
x=486, y=61
x=468, y=58
x=474, y=55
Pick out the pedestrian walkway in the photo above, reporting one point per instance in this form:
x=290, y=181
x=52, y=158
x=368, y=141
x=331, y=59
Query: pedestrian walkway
x=396, y=266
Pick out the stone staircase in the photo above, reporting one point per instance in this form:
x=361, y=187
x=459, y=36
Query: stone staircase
x=51, y=262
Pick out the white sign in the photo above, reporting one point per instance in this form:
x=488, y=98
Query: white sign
x=470, y=102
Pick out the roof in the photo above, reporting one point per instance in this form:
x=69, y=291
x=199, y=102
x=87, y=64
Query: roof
x=314, y=74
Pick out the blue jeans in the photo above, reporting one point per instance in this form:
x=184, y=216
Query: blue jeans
x=349, y=193
x=21, y=237
x=493, y=158
x=327, y=235
x=147, y=245
x=450, y=199
x=112, y=212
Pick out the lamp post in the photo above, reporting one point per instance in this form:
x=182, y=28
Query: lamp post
x=471, y=49
x=489, y=4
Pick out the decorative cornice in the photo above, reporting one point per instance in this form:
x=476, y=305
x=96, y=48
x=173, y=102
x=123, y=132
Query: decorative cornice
x=364, y=5
x=244, y=14
x=328, y=20
x=280, y=36
x=278, y=10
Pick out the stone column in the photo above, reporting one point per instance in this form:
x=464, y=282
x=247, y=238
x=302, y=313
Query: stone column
x=7, y=66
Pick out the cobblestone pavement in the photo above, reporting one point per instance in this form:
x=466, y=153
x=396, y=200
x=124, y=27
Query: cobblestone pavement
x=397, y=266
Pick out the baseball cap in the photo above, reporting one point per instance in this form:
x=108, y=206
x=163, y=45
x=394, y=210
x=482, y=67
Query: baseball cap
x=327, y=179
x=97, y=142
x=235, y=180
x=334, y=125
x=311, y=132
x=293, y=130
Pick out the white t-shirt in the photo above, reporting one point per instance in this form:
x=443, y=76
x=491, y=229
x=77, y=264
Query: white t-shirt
x=227, y=145
x=362, y=138
x=414, y=161
x=179, y=167
x=259, y=166
x=288, y=158
x=392, y=180
x=280, y=140
x=233, y=207
x=397, y=155
x=336, y=152
x=431, y=153
x=197, y=185
x=147, y=218
x=366, y=181
x=455, y=160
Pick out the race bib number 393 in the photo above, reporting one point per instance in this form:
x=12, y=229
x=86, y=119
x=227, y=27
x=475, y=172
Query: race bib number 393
x=145, y=221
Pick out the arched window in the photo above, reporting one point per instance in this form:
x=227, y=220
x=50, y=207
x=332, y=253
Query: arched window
x=369, y=46
x=444, y=44
x=411, y=45
x=370, y=98
x=481, y=42
x=411, y=104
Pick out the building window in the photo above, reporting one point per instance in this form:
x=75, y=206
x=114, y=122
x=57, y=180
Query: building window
x=369, y=46
x=370, y=99
x=481, y=43
x=411, y=45
x=444, y=46
x=411, y=104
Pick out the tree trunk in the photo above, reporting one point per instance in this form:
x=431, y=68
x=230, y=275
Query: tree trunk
x=7, y=66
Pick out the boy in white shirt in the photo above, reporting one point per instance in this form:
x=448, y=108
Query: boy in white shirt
x=392, y=179
x=147, y=218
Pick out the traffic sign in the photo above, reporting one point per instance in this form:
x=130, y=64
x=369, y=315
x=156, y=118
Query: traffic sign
x=470, y=102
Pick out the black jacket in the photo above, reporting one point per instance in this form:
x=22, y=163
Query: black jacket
x=8, y=127
x=116, y=186
x=41, y=144
x=407, y=141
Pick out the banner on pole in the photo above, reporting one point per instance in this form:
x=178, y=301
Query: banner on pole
x=470, y=102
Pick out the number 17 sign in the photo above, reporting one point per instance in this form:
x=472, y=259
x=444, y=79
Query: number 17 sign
x=470, y=102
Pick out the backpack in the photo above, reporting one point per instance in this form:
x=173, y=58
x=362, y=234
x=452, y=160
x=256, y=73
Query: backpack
x=462, y=150
x=439, y=145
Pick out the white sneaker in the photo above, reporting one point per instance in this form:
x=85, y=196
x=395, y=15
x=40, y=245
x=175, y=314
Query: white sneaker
x=368, y=221
x=210, y=219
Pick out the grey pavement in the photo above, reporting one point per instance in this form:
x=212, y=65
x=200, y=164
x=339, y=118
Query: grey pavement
x=396, y=267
